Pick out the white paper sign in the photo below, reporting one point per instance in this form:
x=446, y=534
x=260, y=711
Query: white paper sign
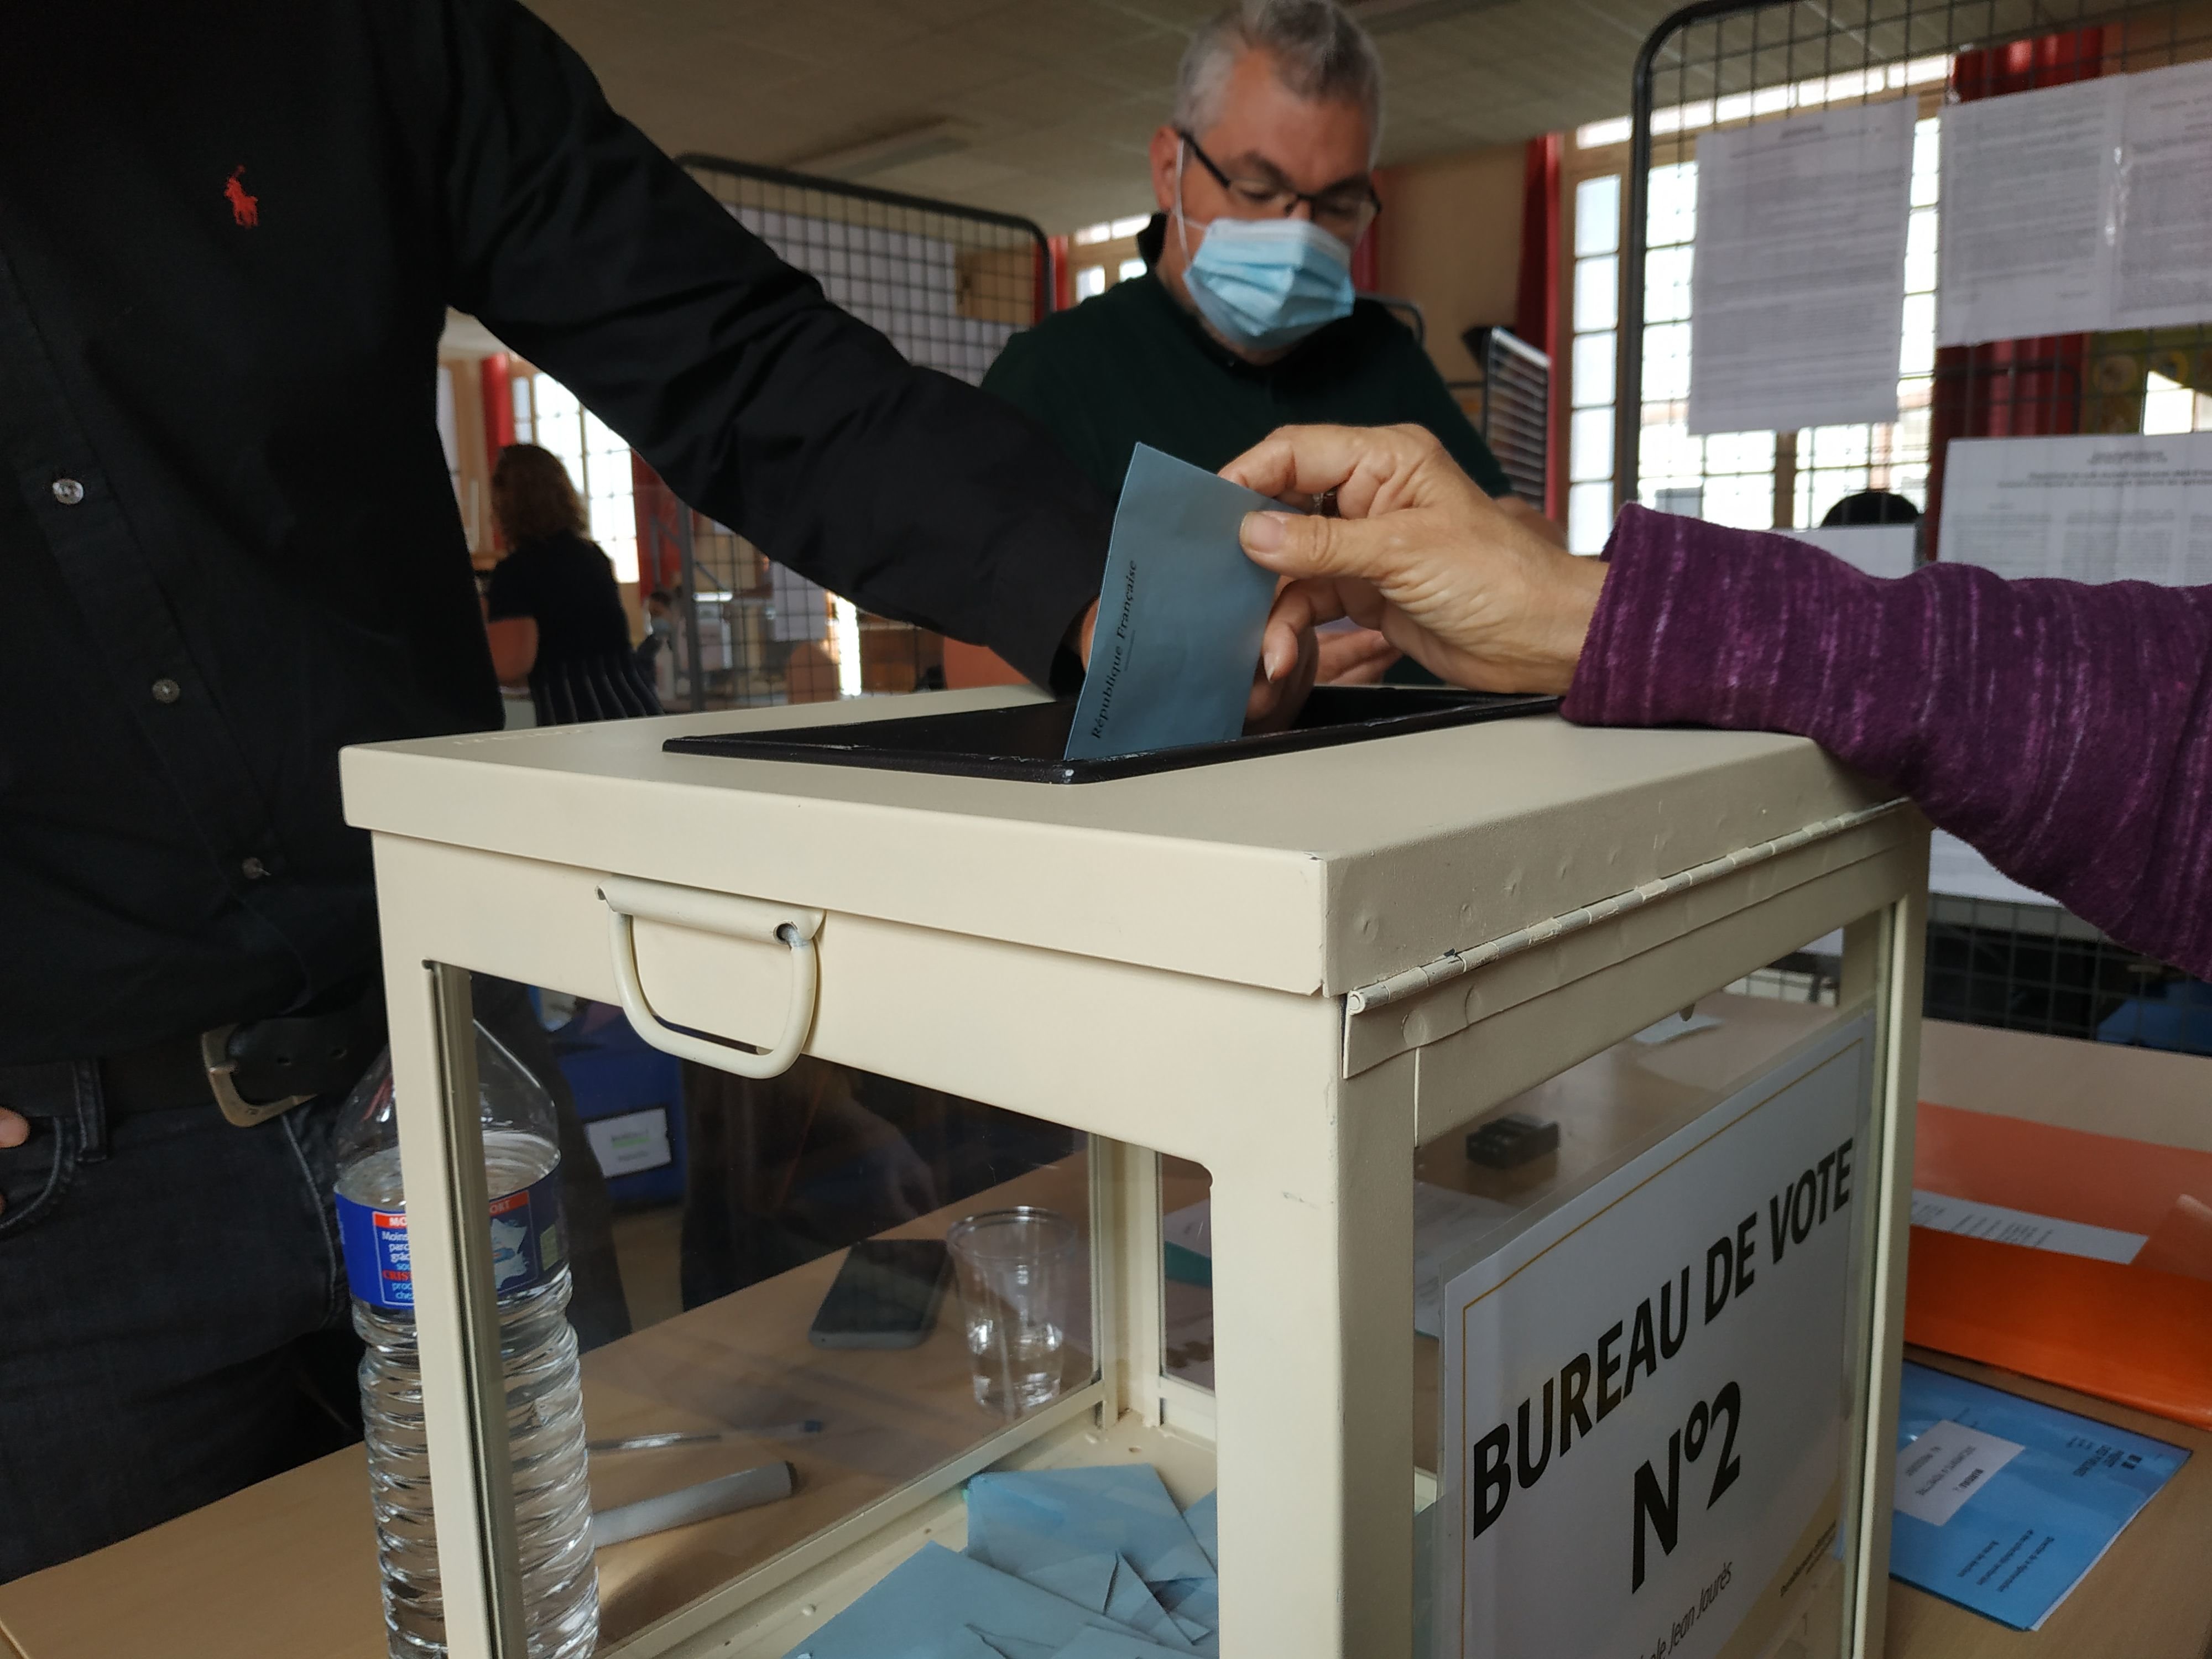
x=1797, y=289
x=2163, y=263
x=2025, y=213
x=2115, y=508
x=1941, y=1212
x=632, y=1143
x=1644, y=1390
x=1945, y=1466
x=1874, y=549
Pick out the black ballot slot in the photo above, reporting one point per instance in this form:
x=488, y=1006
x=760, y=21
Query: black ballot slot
x=1027, y=741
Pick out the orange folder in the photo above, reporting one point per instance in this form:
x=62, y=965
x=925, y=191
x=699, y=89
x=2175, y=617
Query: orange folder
x=2138, y=1332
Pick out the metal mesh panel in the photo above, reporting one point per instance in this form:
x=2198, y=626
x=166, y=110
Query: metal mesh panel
x=948, y=285
x=1513, y=402
x=1726, y=63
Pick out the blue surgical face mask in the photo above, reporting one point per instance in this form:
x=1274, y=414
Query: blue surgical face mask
x=1266, y=283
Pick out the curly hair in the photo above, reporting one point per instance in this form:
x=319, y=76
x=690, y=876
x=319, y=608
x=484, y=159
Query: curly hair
x=531, y=496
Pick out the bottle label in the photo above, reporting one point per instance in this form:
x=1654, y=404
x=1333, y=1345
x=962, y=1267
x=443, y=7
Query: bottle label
x=528, y=1245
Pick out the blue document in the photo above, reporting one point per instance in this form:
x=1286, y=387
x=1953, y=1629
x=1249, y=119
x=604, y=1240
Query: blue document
x=1041, y=1518
x=1180, y=614
x=2003, y=1504
x=935, y=1604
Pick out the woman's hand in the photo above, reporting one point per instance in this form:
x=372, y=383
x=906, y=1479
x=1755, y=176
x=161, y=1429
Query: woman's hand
x=1471, y=592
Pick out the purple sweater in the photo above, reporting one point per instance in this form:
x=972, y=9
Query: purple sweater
x=2063, y=729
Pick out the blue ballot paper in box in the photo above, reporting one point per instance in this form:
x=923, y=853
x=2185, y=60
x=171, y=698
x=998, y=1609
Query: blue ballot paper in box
x=2003, y=1504
x=1181, y=612
x=1061, y=1564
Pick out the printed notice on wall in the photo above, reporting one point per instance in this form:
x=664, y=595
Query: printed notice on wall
x=2078, y=207
x=2124, y=507
x=2026, y=211
x=1643, y=1393
x=1797, y=292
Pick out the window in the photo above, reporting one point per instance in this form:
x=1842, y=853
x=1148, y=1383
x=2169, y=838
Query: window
x=2170, y=406
x=1130, y=268
x=1090, y=281
x=1596, y=287
x=547, y=414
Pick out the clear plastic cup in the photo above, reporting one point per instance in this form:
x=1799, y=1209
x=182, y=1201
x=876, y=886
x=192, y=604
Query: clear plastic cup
x=1017, y=1272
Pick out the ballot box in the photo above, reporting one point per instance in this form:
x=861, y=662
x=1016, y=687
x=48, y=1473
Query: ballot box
x=1459, y=1237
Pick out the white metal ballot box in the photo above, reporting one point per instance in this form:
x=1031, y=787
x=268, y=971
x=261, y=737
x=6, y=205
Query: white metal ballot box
x=1470, y=1153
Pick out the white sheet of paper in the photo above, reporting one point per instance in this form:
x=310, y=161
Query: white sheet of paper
x=1877, y=550
x=2093, y=509
x=2025, y=214
x=1444, y=1224
x=1675, y=1025
x=1957, y=869
x=802, y=607
x=2163, y=263
x=1945, y=1466
x=1940, y=1212
x=1797, y=293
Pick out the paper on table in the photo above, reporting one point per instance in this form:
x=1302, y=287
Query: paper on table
x=2024, y=214
x=1940, y=1212
x=1797, y=292
x=1874, y=549
x=1444, y=1224
x=1957, y=869
x=2030, y=1530
x=1181, y=613
x=2114, y=507
x=1034, y=1518
x=1945, y=1466
x=2164, y=258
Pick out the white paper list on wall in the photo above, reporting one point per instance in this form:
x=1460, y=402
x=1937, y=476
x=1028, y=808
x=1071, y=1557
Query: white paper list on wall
x=2094, y=508
x=2078, y=207
x=1797, y=291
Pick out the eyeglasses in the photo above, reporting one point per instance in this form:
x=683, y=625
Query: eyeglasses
x=1344, y=209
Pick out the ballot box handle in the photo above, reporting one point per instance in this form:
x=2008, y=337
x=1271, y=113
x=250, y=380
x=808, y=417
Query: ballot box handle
x=629, y=899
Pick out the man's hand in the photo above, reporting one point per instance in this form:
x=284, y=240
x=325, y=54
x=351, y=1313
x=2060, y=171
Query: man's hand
x=1471, y=591
x=15, y=1130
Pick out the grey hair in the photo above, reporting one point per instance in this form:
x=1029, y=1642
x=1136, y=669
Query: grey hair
x=1320, y=52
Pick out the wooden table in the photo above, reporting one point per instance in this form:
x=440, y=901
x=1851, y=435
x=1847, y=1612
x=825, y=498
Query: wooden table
x=288, y=1568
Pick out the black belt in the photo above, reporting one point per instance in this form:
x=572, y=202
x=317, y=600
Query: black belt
x=254, y=1070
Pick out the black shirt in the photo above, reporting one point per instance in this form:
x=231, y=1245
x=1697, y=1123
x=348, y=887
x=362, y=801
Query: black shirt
x=584, y=669
x=227, y=545
x=1131, y=366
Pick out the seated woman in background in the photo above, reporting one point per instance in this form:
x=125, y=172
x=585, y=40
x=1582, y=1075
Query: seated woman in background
x=553, y=611
x=2063, y=728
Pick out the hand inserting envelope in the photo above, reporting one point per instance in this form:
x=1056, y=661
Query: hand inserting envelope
x=1181, y=613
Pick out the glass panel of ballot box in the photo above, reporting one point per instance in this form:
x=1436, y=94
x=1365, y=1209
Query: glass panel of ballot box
x=1375, y=1198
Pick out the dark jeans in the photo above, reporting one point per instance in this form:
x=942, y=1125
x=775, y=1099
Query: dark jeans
x=173, y=1317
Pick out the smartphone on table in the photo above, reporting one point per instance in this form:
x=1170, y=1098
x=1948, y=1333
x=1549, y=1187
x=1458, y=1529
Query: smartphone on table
x=885, y=1295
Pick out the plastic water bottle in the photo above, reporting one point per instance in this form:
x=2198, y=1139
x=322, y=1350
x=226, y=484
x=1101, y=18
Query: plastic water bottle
x=538, y=1352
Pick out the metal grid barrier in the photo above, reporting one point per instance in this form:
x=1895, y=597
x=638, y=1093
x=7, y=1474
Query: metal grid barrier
x=1723, y=63
x=948, y=285
x=1513, y=409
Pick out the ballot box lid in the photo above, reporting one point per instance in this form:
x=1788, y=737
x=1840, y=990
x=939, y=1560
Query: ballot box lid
x=1318, y=870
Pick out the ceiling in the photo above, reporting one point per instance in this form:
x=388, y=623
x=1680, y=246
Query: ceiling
x=1043, y=107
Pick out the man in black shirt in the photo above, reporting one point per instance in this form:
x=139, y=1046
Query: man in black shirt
x=228, y=238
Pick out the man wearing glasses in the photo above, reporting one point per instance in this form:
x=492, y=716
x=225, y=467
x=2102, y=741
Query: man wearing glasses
x=1246, y=320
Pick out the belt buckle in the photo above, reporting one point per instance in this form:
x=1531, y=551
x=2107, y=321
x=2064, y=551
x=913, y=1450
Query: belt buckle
x=215, y=1055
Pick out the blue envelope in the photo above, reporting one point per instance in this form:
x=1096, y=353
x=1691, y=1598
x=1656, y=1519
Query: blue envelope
x=1041, y=1518
x=934, y=1603
x=1181, y=613
x=1205, y=1523
x=2016, y=1500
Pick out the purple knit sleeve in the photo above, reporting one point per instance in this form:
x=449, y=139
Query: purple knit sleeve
x=2063, y=729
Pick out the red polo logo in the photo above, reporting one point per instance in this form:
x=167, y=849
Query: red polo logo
x=244, y=209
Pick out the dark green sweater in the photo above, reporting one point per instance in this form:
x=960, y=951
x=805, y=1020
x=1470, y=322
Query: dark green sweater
x=1132, y=366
